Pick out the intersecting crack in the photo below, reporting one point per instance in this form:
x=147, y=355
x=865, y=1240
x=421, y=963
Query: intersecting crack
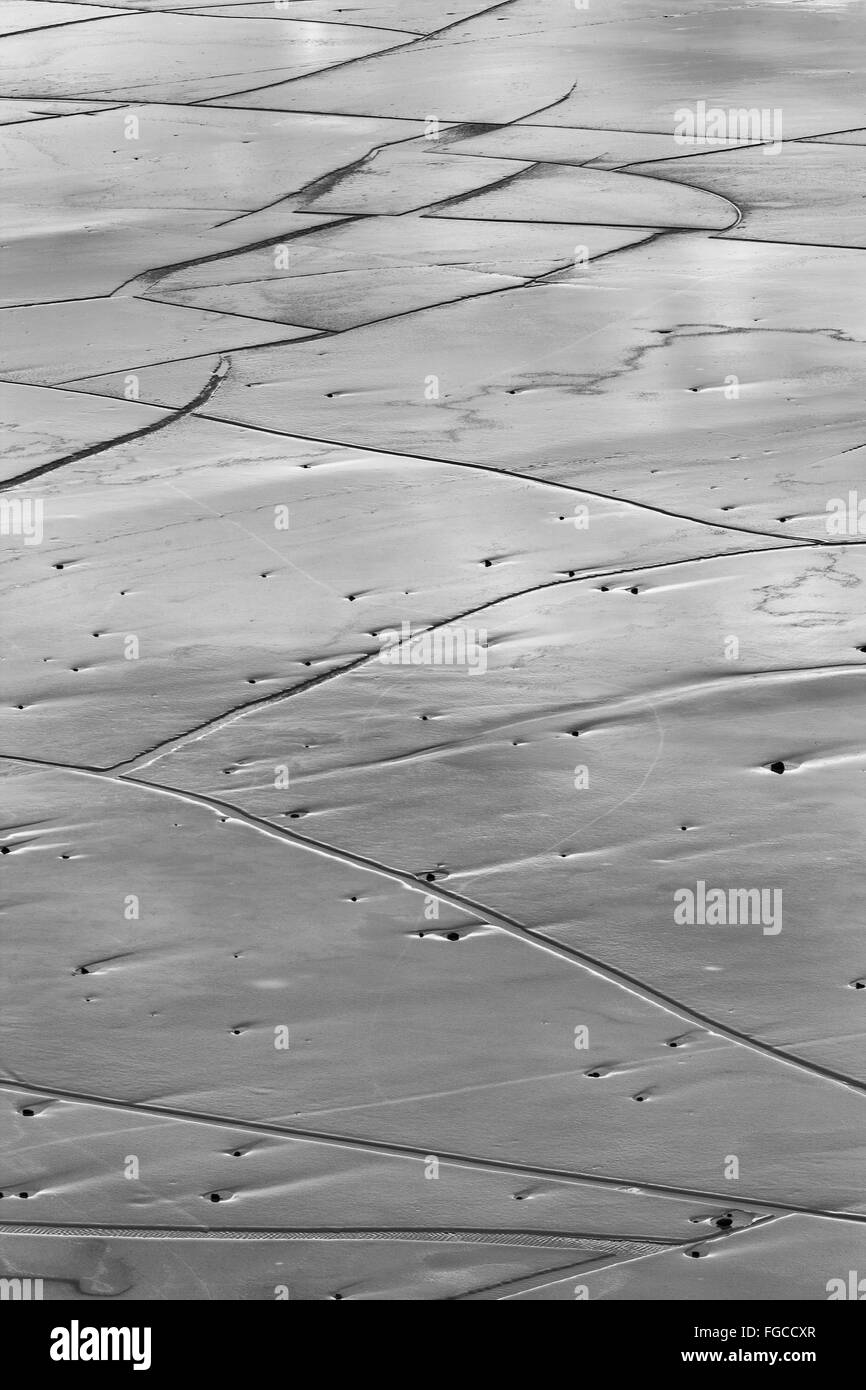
x=213, y=383
x=480, y=913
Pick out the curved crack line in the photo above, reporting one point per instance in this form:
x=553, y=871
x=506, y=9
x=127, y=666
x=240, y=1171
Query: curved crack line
x=501, y=182
x=177, y=742
x=320, y=72
x=529, y=283
x=722, y=525
x=632, y=984
x=657, y=178
x=67, y=24
x=482, y=914
x=557, y=352
x=328, y=1139
x=609, y=708
x=158, y=425
x=66, y=382
x=521, y=282
x=215, y=379
x=378, y=53
x=384, y=265
x=161, y=271
x=505, y=472
x=318, y=331
x=206, y=12
x=323, y=183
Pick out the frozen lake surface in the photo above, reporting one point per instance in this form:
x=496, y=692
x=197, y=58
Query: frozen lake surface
x=499, y=370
